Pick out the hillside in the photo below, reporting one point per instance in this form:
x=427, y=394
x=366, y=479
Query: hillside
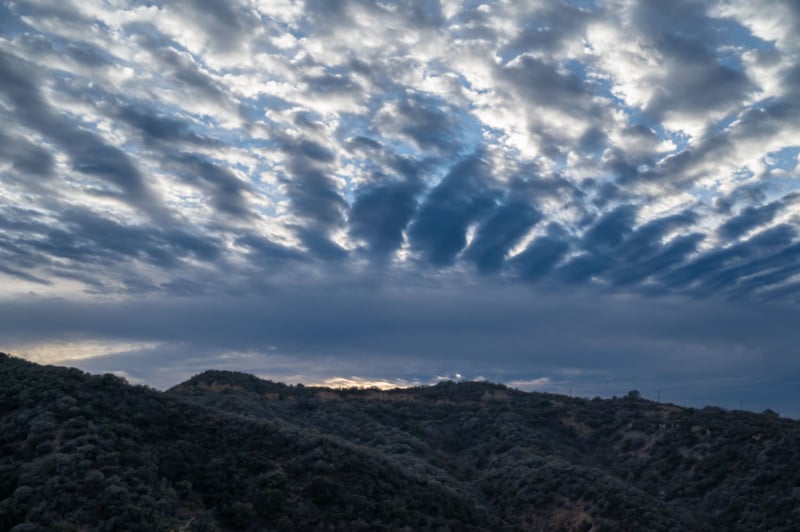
x=229, y=451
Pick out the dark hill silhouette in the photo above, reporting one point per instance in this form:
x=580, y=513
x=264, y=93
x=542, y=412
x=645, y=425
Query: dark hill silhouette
x=229, y=451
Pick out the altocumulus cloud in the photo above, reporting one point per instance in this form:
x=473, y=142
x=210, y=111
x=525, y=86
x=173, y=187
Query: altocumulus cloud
x=585, y=195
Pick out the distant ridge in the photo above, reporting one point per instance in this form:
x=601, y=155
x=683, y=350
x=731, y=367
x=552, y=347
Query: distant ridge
x=219, y=380
x=230, y=380
x=229, y=451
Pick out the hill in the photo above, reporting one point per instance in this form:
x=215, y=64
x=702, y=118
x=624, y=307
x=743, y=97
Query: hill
x=229, y=451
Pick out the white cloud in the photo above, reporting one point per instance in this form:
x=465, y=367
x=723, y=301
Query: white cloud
x=538, y=384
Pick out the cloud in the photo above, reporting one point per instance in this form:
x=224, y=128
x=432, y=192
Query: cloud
x=610, y=230
x=381, y=213
x=26, y=157
x=639, y=151
x=314, y=331
x=540, y=384
x=753, y=216
x=667, y=256
x=411, y=149
x=539, y=258
x=497, y=234
x=89, y=154
x=551, y=28
x=544, y=84
x=439, y=231
x=708, y=264
x=229, y=193
x=360, y=382
x=160, y=127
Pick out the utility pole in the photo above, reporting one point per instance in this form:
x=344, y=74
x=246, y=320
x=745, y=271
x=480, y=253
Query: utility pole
x=659, y=395
x=740, y=405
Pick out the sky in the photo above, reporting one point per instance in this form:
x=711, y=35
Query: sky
x=571, y=196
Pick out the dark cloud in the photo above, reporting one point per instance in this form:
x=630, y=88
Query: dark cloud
x=20, y=274
x=98, y=246
x=498, y=233
x=160, y=127
x=314, y=151
x=320, y=244
x=610, y=229
x=62, y=12
x=646, y=239
x=623, y=166
x=224, y=23
x=25, y=156
x=14, y=218
x=228, y=193
x=748, y=193
x=549, y=29
x=771, y=285
x=327, y=84
x=58, y=50
x=363, y=143
x=88, y=152
x=100, y=237
x=593, y=140
x=266, y=253
x=583, y=267
x=753, y=126
x=667, y=256
x=681, y=17
x=750, y=218
x=18, y=226
x=433, y=331
x=474, y=25
x=425, y=14
x=327, y=16
x=430, y=123
x=315, y=198
x=622, y=254
x=89, y=55
x=381, y=213
x=541, y=256
x=713, y=261
x=439, y=230
x=696, y=82
x=542, y=83
x=180, y=70
x=310, y=318
x=61, y=51
x=314, y=195
x=698, y=78
x=754, y=275
x=185, y=70
x=615, y=251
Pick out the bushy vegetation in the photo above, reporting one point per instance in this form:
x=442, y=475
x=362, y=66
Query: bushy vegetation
x=229, y=451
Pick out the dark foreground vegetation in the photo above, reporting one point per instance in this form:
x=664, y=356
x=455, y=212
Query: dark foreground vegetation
x=228, y=451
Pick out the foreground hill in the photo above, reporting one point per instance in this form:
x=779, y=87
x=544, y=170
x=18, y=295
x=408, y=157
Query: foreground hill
x=230, y=451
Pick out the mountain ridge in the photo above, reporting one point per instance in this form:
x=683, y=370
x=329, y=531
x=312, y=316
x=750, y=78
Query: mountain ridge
x=229, y=451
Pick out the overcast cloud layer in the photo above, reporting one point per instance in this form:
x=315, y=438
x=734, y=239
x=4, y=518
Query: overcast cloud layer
x=586, y=195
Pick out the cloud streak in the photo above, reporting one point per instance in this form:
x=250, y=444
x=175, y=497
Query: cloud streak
x=500, y=333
